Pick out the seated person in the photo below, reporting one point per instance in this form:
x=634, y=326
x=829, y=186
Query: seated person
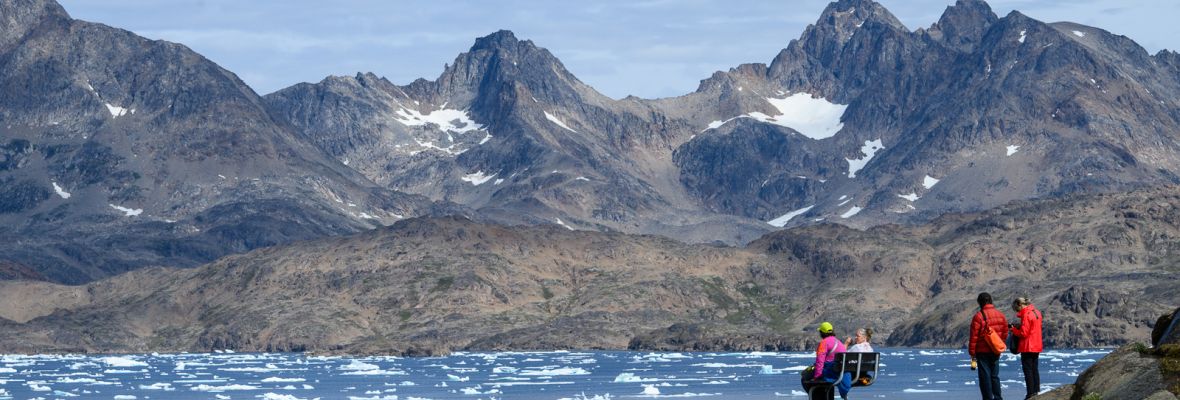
x=825, y=368
x=861, y=345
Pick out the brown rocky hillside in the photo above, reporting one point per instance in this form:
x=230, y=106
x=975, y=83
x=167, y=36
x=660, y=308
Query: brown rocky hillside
x=1102, y=267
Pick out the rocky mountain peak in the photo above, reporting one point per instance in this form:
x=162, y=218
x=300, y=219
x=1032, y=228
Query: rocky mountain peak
x=502, y=55
x=840, y=21
x=855, y=13
x=842, y=40
x=503, y=40
x=18, y=17
x=499, y=63
x=964, y=24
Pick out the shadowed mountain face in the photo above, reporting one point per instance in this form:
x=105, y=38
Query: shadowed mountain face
x=1101, y=267
x=860, y=121
x=118, y=152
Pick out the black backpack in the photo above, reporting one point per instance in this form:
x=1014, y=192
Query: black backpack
x=1014, y=342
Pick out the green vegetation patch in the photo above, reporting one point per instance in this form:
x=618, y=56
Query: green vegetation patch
x=715, y=291
x=751, y=290
x=443, y=284
x=1170, y=366
x=1169, y=351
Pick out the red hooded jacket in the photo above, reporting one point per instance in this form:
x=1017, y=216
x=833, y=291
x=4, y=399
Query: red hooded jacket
x=996, y=320
x=1029, y=330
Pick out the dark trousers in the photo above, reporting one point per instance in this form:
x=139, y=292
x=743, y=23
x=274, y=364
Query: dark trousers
x=1029, y=362
x=989, y=375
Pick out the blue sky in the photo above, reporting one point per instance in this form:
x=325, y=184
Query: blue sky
x=648, y=48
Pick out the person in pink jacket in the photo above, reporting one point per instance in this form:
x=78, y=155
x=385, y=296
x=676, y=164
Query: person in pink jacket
x=825, y=359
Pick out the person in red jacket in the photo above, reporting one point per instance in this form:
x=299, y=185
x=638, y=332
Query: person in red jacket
x=982, y=354
x=1029, y=332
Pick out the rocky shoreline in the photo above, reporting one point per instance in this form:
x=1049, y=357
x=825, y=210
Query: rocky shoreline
x=1134, y=371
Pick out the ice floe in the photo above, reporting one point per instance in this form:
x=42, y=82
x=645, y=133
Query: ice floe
x=122, y=361
x=165, y=386
x=276, y=396
x=793, y=393
x=631, y=377
x=564, y=371
x=223, y=388
x=282, y=380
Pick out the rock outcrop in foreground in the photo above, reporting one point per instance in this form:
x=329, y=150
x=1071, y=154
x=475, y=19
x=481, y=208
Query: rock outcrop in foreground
x=1133, y=371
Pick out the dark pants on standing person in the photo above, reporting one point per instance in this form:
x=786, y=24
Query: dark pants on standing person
x=989, y=375
x=1029, y=362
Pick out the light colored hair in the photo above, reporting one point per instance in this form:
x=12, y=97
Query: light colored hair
x=868, y=332
x=1020, y=302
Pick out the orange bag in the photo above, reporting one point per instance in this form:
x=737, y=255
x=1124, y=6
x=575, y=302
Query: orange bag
x=992, y=338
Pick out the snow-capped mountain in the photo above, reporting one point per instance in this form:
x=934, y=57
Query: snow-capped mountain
x=118, y=152
x=860, y=121
x=109, y=138
x=508, y=130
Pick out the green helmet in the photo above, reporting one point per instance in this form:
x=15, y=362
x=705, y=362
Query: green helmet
x=825, y=327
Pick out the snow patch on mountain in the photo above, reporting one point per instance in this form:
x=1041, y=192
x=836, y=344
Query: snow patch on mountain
x=430, y=146
x=869, y=149
x=851, y=211
x=813, y=117
x=448, y=120
x=554, y=120
x=562, y=223
x=1012, y=149
x=910, y=197
x=782, y=221
x=130, y=212
x=929, y=182
x=117, y=111
x=60, y=192
x=477, y=178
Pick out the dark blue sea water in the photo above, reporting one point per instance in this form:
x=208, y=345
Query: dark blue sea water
x=904, y=374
